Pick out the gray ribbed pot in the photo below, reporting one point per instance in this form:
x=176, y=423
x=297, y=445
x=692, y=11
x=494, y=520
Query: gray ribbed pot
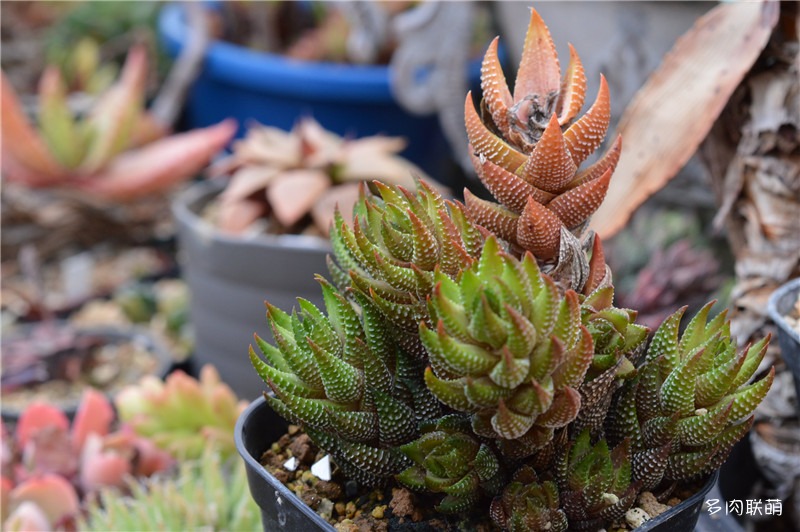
x=230, y=277
x=779, y=306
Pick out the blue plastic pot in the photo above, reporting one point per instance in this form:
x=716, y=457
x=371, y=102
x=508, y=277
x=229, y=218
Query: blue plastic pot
x=353, y=100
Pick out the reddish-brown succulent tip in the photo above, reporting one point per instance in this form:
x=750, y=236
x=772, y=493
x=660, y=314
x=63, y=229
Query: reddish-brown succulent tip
x=539, y=231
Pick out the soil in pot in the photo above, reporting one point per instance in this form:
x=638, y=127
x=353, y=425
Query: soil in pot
x=349, y=507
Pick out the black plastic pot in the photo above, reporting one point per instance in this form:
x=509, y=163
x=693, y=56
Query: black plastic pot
x=779, y=305
x=259, y=426
x=256, y=429
x=229, y=279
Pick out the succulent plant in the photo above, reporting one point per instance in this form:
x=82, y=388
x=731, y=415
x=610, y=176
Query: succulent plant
x=528, y=504
x=691, y=401
x=209, y=493
x=287, y=176
x=527, y=148
x=595, y=483
x=182, y=415
x=356, y=393
x=448, y=459
x=397, y=241
x=530, y=371
x=506, y=347
x=114, y=154
x=47, y=462
x=83, y=71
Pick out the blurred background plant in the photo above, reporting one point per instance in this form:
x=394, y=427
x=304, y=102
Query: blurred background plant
x=48, y=464
x=74, y=35
x=107, y=473
x=183, y=415
x=292, y=182
x=207, y=493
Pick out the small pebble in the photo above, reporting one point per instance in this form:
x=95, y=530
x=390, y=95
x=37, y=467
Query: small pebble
x=311, y=498
x=293, y=429
x=346, y=526
x=377, y=512
x=340, y=508
x=350, y=509
x=648, y=502
x=636, y=517
x=325, y=508
x=329, y=490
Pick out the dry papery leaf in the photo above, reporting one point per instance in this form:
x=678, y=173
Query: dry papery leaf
x=753, y=157
x=675, y=109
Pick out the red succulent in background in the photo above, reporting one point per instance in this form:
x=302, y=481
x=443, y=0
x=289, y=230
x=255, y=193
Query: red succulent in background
x=116, y=152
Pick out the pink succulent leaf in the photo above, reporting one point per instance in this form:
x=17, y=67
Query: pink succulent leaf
x=5, y=497
x=101, y=466
x=237, y=216
x=150, y=459
x=318, y=146
x=32, y=162
x=248, y=180
x=363, y=165
x=94, y=416
x=160, y=165
x=113, y=118
x=48, y=450
x=37, y=417
x=267, y=145
x=27, y=517
x=52, y=494
x=6, y=450
x=344, y=196
x=146, y=130
x=294, y=193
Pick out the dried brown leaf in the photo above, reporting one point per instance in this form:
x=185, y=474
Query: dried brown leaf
x=674, y=111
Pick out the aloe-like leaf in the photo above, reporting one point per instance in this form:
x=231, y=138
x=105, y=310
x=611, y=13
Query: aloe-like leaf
x=487, y=144
x=113, y=117
x=26, y=158
x=160, y=165
x=585, y=135
x=65, y=138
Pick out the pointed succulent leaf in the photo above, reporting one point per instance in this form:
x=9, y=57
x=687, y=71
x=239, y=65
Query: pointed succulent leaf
x=487, y=144
x=550, y=166
x=585, y=134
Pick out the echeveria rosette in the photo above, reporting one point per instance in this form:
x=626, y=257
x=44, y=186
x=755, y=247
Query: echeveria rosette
x=527, y=150
x=505, y=346
x=182, y=415
x=595, y=483
x=691, y=401
x=354, y=391
x=449, y=459
x=528, y=504
x=397, y=240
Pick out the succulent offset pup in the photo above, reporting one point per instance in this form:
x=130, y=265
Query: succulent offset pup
x=474, y=351
x=527, y=150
